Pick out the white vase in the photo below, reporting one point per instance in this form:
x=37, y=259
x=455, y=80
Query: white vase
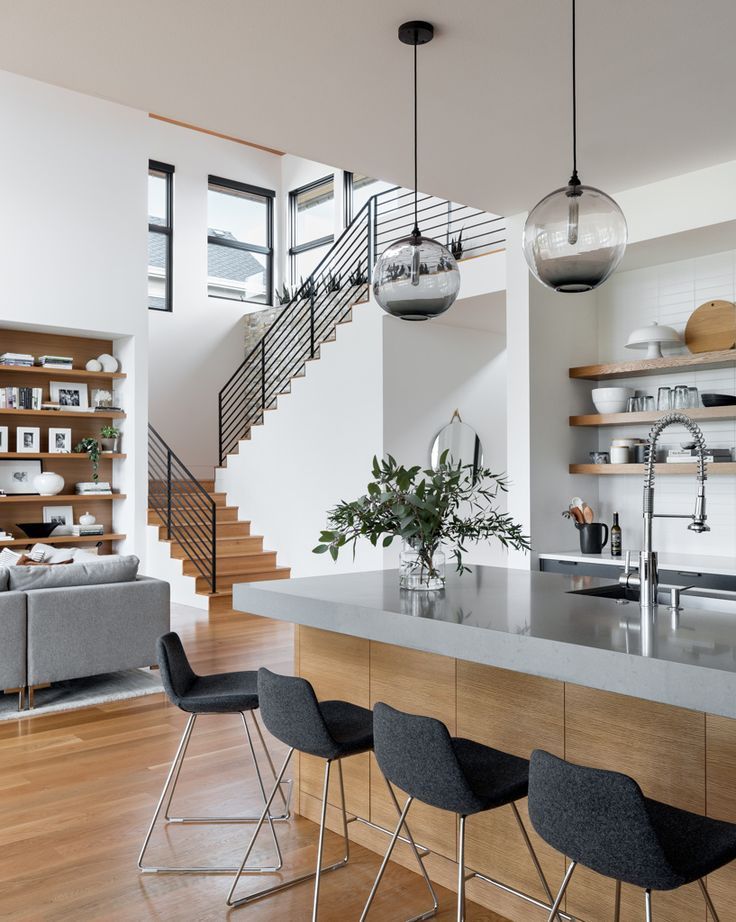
x=93, y=365
x=48, y=483
x=109, y=362
x=87, y=519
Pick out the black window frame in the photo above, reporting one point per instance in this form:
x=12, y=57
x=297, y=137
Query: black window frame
x=349, y=211
x=166, y=230
x=295, y=249
x=269, y=195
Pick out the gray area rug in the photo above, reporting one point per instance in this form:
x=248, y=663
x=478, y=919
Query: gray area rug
x=82, y=693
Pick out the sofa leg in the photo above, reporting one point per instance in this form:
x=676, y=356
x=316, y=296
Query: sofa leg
x=155, y=666
x=34, y=688
x=20, y=691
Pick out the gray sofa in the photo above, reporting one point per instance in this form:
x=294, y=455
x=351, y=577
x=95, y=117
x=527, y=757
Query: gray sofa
x=67, y=632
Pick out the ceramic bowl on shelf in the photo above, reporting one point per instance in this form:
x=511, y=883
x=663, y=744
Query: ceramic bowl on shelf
x=611, y=399
x=37, y=529
x=718, y=400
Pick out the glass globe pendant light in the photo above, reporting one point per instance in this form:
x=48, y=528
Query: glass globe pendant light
x=416, y=278
x=576, y=236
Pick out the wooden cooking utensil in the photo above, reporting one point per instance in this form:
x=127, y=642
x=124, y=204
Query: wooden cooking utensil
x=588, y=513
x=577, y=514
x=712, y=327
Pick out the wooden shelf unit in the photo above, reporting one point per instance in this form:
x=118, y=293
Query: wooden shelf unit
x=663, y=469
x=62, y=539
x=73, y=467
x=646, y=367
x=632, y=419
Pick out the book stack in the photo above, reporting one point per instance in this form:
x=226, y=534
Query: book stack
x=16, y=358
x=90, y=488
x=20, y=398
x=62, y=362
x=690, y=455
x=83, y=531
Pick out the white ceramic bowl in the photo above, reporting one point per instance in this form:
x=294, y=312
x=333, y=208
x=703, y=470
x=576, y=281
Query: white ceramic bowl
x=611, y=399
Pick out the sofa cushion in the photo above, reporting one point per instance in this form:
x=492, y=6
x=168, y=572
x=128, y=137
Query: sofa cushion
x=4, y=580
x=114, y=570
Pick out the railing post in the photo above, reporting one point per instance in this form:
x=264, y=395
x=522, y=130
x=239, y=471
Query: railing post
x=263, y=375
x=372, y=237
x=311, y=324
x=214, y=546
x=168, y=493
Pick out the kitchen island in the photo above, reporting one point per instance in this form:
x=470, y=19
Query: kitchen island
x=519, y=661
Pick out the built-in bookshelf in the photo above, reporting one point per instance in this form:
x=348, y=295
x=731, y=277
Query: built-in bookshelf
x=74, y=467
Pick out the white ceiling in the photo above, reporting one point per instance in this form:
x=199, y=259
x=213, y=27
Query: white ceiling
x=328, y=80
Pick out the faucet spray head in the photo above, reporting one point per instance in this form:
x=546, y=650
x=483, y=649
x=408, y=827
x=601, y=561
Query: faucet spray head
x=698, y=523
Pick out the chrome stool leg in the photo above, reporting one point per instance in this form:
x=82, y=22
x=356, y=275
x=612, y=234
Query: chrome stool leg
x=316, y=875
x=560, y=896
x=617, y=903
x=461, y=872
x=648, y=905
x=386, y=858
x=708, y=900
x=167, y=794
x=532, y=853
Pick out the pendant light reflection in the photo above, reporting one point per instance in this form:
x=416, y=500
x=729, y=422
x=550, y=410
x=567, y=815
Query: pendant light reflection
x=576, y=236
x=416, y=277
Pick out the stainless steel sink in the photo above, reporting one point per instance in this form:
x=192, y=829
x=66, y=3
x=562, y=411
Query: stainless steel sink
x=615, y=591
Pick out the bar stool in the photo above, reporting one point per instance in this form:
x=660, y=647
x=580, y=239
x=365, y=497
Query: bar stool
x=418, y=755
x=329, y=730
x=224, y=693
x=601, y=819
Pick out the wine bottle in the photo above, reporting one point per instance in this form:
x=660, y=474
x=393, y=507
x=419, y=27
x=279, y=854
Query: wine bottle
x=616, y=541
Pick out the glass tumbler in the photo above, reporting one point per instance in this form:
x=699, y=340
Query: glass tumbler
x=682, y=398
x=693, y=398
x=648, y=404
x=664, y=398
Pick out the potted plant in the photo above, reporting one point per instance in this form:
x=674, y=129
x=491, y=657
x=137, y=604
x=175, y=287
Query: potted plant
x=284, y=296
x=428, y=509
x=110, y=438
x=92, y=448
x=456, y=245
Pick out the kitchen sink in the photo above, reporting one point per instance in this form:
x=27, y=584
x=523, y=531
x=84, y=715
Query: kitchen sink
x=615, y=591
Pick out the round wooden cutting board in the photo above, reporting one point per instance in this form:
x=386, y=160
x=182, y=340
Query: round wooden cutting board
x=712, y=327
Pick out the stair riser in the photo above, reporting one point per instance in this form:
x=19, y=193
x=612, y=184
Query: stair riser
x=236, y=566
x=226, y=548
x=228, y=580
x=225, y=530
x=223, y=515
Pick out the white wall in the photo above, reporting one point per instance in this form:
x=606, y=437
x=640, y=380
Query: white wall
x=73, y=242
x=195, y=348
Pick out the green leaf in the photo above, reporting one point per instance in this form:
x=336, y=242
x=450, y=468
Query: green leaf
x=320, y=549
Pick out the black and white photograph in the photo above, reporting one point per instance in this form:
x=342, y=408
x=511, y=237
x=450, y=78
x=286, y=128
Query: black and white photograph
x=58, y=515
x=28, y=439
x=4, y=447
x=16, y=476
x=69, y=396
x=60, y=441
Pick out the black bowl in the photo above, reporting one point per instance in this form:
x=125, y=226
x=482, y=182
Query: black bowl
x=718, y=400
x=37, y=529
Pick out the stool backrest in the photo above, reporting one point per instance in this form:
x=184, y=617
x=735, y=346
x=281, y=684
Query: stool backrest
x=291, y=713
x=176, y=673
x=416, y=754
x=598, y=818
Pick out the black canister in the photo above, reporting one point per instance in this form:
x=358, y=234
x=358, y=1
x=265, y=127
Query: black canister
x=593, y=537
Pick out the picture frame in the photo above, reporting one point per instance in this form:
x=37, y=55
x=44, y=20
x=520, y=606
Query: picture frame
x=59, y=515
x=4, y=437
x=27, y=440
x=60, y=441
x=69, y=396
x=17, y=474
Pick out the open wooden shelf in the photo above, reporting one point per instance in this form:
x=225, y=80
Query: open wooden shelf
x=60, y=455
x=63, y=539
x=631, y=419
x=60, y=498
x=646, y=367
x=723, y=467
x=71, y=373
x=78, y=414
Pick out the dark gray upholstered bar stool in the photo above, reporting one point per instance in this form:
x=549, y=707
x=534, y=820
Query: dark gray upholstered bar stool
x=418, y=755
x=601, y=819
x=329, y=730
x=224, y=693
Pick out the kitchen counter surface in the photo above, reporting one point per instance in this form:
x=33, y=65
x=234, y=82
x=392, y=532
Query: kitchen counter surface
x=725, y=566
x=528, y=622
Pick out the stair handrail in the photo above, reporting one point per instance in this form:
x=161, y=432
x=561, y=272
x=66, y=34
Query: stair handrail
x=188, y=511
x=298, y=332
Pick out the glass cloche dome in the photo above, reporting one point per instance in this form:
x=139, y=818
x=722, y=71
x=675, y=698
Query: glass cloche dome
x=575, y=238
x=416, y=278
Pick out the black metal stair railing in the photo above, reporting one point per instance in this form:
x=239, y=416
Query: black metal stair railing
x=185, y=508
x=326, y=298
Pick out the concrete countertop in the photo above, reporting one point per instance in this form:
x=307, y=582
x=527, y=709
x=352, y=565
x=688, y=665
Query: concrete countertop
x=724, y=566
x=527, y=622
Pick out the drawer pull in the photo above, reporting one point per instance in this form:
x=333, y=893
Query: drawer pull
x=568, y=563
x=688, y=575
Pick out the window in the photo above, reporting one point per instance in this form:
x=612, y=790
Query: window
x=312, y=226
x=160, y=235
x=239, y=241
x=358, y=189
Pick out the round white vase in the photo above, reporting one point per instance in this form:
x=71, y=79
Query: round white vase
x=94, y=365
x=109, y=363
x=48, y=483
x=87, y=519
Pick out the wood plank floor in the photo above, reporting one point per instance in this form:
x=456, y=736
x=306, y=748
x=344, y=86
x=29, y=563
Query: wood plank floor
x=77, y=791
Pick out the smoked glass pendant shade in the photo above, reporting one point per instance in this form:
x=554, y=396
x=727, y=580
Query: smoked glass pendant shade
x=575, y=238
x=416, y=278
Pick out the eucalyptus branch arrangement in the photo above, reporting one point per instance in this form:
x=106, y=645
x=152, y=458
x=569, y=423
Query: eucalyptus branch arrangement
x=451, y=506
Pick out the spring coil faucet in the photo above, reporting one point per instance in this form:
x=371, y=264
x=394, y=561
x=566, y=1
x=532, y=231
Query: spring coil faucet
x=648, y=579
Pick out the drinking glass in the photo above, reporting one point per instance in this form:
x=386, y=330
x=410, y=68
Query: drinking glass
x=693, y=398
x=632, y=404
x=664, y=398
x=648, y=404
x=682, y=397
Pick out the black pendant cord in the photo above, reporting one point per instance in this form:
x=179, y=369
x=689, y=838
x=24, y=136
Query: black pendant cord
x=415, y=232
x=574, y=181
